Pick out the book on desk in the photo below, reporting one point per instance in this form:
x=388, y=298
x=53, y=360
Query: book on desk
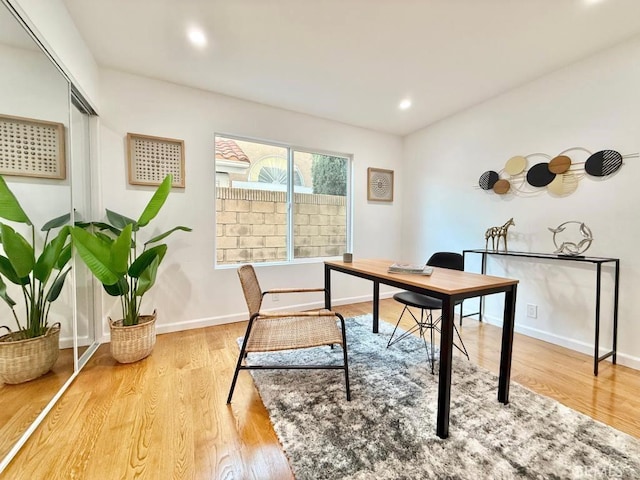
x=401, y=267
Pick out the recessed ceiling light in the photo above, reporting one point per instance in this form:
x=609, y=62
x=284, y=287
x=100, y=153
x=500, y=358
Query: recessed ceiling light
x=197, y=37
x=404, y=104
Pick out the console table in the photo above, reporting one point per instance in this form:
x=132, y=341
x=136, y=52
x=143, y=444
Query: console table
x=598, y=261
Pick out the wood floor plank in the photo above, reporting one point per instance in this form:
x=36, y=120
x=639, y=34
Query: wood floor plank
x=166, y=417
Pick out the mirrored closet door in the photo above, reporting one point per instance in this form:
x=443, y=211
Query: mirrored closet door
x=36, y=104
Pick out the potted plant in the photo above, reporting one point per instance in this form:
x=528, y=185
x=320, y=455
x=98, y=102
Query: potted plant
x=114, y=255
x=31, y=350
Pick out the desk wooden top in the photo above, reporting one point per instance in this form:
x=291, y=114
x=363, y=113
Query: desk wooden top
x=443, y=280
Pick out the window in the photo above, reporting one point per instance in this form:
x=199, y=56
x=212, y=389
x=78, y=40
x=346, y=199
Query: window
x=277, y=203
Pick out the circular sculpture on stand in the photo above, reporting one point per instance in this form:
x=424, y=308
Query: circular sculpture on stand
x=566, y=247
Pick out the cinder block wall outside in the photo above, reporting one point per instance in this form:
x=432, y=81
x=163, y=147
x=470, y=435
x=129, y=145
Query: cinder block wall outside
x=252, y=225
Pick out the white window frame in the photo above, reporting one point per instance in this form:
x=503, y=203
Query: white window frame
x=291, y=148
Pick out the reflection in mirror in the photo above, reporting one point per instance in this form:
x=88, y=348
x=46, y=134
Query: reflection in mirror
x=32, y=87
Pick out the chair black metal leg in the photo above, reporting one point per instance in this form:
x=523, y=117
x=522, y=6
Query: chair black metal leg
x=396, y=327
x=243, y=354
x=344, y=353
x=416, y=327
x=463, y=349
x=235, y=378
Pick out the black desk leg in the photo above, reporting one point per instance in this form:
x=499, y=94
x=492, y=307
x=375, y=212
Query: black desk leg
x=483, y=270
x=615, y=312
x=327, y=287
x=444, y=382
x=376, y=305
x=507, y=344
x=596, y=354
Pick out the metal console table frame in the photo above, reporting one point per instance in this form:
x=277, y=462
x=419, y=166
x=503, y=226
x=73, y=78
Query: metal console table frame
x=598, y=261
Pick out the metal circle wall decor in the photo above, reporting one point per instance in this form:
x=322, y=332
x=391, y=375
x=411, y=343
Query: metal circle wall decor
x=559, y=164
x=573, y=248
x=563, y=184
x=559, y=175
x=603, y=163
x=502, y=186
x=515, y=165
x=488, y=179
x=539, y=175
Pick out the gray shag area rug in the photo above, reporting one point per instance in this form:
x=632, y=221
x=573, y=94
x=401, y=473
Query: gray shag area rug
x=387, y=431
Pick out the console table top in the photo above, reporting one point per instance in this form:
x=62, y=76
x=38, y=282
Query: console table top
x=551, y=256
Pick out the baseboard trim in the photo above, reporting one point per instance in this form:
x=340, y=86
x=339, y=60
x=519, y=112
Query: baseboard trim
x=570, y=343
x=239, y=317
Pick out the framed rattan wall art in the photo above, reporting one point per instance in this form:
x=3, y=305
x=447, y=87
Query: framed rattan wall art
x=153, y=158
x=379, y=185
x=32, y=148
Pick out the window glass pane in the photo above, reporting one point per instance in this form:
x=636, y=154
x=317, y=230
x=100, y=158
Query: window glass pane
x=320, y=205
x=251, y=201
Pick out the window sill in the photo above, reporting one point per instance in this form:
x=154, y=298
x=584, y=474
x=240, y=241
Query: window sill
x=298, y=261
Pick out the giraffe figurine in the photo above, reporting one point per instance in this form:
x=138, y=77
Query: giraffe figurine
x=497, y=233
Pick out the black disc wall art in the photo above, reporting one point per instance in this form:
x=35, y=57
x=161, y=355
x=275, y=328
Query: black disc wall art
x=539, y=175
x=488, y=179
x=557, y=175
x=603, y=163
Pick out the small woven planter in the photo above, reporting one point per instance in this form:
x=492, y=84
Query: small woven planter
x=133, y=343
x=23, y=359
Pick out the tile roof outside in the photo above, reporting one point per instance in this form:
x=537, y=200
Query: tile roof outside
x=227, y=149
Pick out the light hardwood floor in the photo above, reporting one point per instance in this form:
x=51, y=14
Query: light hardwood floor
x=166, y=417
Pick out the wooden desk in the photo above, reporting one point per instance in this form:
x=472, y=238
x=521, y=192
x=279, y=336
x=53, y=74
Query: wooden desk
x=449, y=286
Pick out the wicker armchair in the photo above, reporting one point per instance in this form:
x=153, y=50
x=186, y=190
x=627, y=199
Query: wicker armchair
x=268, y=332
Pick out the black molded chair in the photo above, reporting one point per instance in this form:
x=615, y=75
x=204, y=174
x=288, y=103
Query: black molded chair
x=451, y=260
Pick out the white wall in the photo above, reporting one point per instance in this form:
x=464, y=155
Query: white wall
x=55, y=29
x=190, y=292
x=592, y=104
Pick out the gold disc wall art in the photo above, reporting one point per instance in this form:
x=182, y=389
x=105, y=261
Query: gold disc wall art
x=560, y=175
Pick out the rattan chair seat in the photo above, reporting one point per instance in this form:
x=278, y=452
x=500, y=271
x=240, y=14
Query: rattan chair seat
x=271, y=334
x=274, y=331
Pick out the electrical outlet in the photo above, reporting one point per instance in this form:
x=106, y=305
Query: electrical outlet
x=275, y=297
x=532, y=310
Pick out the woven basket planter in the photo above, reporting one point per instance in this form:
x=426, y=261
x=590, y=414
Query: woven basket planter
x=23, y=359
x=133, y=343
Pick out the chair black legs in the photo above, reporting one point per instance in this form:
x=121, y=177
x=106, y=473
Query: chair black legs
x=426, y=323
x=344, y=353
x=243, y=355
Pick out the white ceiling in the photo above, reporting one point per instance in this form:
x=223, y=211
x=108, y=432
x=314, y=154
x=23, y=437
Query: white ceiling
x=354, y=60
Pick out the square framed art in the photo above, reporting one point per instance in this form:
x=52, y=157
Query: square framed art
x=379, y=185
x=32, y=148
x=152, y=158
